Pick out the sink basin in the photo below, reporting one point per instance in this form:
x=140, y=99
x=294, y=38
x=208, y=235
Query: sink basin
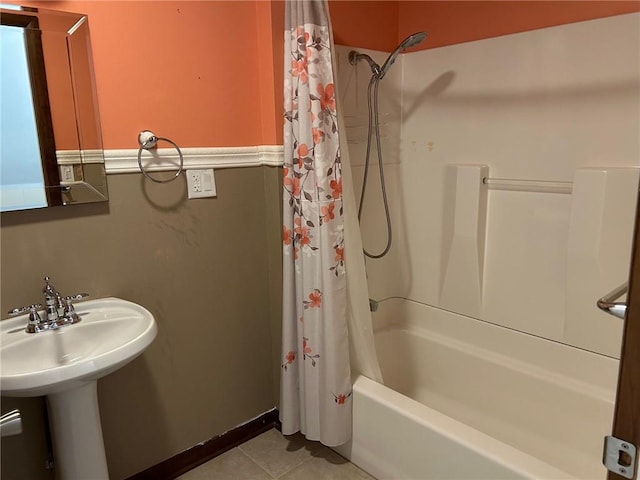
x=65, y=365
x=111, y=333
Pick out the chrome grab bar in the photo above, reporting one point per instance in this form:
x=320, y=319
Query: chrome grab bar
x=608, y=302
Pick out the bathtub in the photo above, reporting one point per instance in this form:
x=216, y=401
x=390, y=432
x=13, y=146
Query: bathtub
x=465, y=399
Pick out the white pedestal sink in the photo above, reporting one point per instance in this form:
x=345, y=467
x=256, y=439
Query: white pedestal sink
x=64, y=365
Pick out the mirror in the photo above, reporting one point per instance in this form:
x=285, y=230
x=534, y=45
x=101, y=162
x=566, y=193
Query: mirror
x=51, y=145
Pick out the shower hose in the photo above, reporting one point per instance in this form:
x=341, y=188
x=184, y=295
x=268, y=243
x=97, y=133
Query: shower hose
x=374, y=126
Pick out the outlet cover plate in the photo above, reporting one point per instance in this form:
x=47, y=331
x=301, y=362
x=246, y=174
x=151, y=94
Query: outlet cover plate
x=201, y=183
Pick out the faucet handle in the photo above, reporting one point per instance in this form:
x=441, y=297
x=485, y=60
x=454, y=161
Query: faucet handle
x=27, y=308
x=69, y=315
x=78, y=297
x=35, y=322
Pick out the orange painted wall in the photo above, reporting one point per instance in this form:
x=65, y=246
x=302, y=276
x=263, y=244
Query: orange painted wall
x=365, y=24
x=188, y=70
x=451, y=22
x=209, y=73
x=270, y=23
x=381, y=25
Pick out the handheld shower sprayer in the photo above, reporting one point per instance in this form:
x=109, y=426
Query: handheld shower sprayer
x=378, y=71
x=410, y=41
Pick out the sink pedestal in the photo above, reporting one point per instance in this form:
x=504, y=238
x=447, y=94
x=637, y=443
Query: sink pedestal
x=77, y=434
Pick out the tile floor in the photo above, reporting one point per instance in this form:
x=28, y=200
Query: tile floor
x=271, y=455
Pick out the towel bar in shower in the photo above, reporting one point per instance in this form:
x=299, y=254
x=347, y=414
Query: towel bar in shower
x=540, y=186
x=608, y=302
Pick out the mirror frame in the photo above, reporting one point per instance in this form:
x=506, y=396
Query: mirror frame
x=86, y=165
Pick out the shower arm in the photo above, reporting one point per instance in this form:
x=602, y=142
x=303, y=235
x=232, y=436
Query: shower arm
x=355, y=57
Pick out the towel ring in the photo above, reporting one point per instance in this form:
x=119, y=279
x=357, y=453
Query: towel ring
x=147, y=140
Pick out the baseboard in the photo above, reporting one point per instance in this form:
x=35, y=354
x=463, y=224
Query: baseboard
x=203, y=452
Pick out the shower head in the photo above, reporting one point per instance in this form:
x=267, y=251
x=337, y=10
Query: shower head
x=413, y=40
x=410, y=41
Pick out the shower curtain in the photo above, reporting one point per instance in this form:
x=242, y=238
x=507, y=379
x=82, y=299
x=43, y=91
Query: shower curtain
x=318, y=305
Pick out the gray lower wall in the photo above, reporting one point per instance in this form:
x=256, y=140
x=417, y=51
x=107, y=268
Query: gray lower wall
x=209, y=271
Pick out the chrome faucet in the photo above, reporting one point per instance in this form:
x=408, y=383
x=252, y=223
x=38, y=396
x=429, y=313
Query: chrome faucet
x=59, y=310
x=51, y=300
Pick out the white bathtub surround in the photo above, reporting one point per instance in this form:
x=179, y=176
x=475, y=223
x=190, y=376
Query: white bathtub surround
x=464, y=229
x=599, y=249
x=474, y=400
x=544, y=105
x=518, y=379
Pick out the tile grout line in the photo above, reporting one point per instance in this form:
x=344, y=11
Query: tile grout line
x=239, y=447
x=246, y=459
x=294, y=467
x=255, y=462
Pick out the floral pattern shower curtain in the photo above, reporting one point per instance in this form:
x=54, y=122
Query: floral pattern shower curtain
x=316, y=379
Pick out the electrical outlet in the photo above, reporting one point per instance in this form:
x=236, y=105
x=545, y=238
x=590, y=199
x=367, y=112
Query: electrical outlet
x=196, y=182
x=201, y=183
x=66, y=173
